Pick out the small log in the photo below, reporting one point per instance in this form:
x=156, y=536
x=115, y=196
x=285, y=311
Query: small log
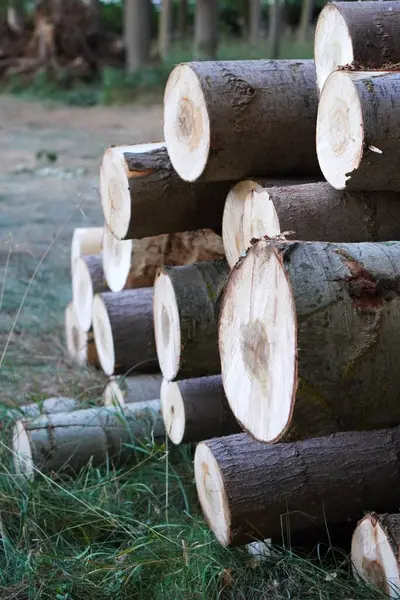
x=85, y=240
x=137, y=388
x=228, y=120
x=124, y=331
x=143, y=196
x=135, y=263
x=358, y=131
x=375, y=552
x=308, y=338
x=72, y=440
x=250, y=490
x=61, y=404
x=363, y=36
x=186, y=310
x=80, y=344
x=87, y=280
x=316, y=211
x=196, y=409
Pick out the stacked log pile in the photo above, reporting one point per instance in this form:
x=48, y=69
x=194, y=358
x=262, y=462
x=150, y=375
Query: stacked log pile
x=274, y=347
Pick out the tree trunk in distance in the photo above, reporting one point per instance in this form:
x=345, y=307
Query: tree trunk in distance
x=327, y=316
x=165, y=28
x=136, y=388
x=307, y=7
x=206, y=30
x=87, y=280
x=72, y=440
x=80, y=344
x=316, y=211
x=255, y=18
x=143, y=196
x=186, y=310
x=375, y=553
x=196, y=409
x=85, y=240
x=137, y=33
x=182, y=19
x=264, y=488
x=124, y=331
x=363, y=151
x=275, y=28
x=365, y=36
x=277, y=98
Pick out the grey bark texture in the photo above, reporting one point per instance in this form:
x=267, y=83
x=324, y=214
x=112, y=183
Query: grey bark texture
x=137, y=33
x=206, y=30
x=94, y=264
x=301, y=485
x=140, y=387
x=34, y=410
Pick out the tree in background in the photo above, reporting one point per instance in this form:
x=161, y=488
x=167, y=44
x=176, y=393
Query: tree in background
x=182, y=19
x=307, y=8
x=206, y=30
x=165, y=28
x=275, y=27
x=254, y=22
x=137, y=34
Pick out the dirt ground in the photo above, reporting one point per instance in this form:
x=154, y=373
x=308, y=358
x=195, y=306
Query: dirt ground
x=48, y=186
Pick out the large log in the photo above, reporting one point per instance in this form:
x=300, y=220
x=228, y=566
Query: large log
x=308, y=338
x=134, y=263
x=365, y=36
x=60, y=404
x=358, y=130
x=85, y=240
x=375, y=553
x=124, y=331
x=229, y=120
x=71, y=440
x=87, y=280
x=196, y=409
x=249, y=490
x=136, y=388
x=143, y=196
x=316, y=211
x=80, y=344
x=186, y=310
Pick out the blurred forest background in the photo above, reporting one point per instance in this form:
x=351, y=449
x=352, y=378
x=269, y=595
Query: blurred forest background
x=112, y=51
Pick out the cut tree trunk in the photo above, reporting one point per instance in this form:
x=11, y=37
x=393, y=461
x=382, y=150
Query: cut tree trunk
x=137, y=388
x=308, y=338
x=165, y=28
x=72, y=440
x=255, y=19
x=124, y=331
x=49, y=406
x=214, y=114
x=142, y=195
x=196, y=409
x=80, y=344
x=316, y=211
x=249, y=490
x=137, y=33
x=147, y=255
x=186, y=310
x=206, y=30
x=358, y=130
x=375, y=554
x=87, y=280
x=85, y=240
x=363, y=36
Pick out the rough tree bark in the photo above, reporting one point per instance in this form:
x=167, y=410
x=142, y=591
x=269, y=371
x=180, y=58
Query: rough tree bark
x=316, y=211
x=87, y=280
x=80, y=343
x=186, y=310
x=70, y=440
x=137, y=388
x=124, y=332
x=365, y=36
x=375, y=552
x=214, y=114
x=358, y=130
x=85, y=240
x=308, y=338
x=196, y=409
x=137, y=33
x=206, y=30
x=142, y=195
x=252, y=491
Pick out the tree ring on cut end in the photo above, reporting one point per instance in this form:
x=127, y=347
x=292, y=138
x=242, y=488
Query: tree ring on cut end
x=23, y=460
x=103, y=335
x=82, y=293
x=167, y=326
x=173, y=411
x=116, y=260
x=259, y=216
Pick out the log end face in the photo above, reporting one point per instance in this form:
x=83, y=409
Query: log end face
x=113, y=395
x=103, y=335
x=116, y=260
x=332, y=46
x=114, y=191
x=173, y=411
x=372, y=556
x=167, y=326
x=186, y=123
x=212, y=494
x=76, y=338
x=23, y=461
x=340, y=129
x=259, y=216
x=257, y=342
x=82, y=294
